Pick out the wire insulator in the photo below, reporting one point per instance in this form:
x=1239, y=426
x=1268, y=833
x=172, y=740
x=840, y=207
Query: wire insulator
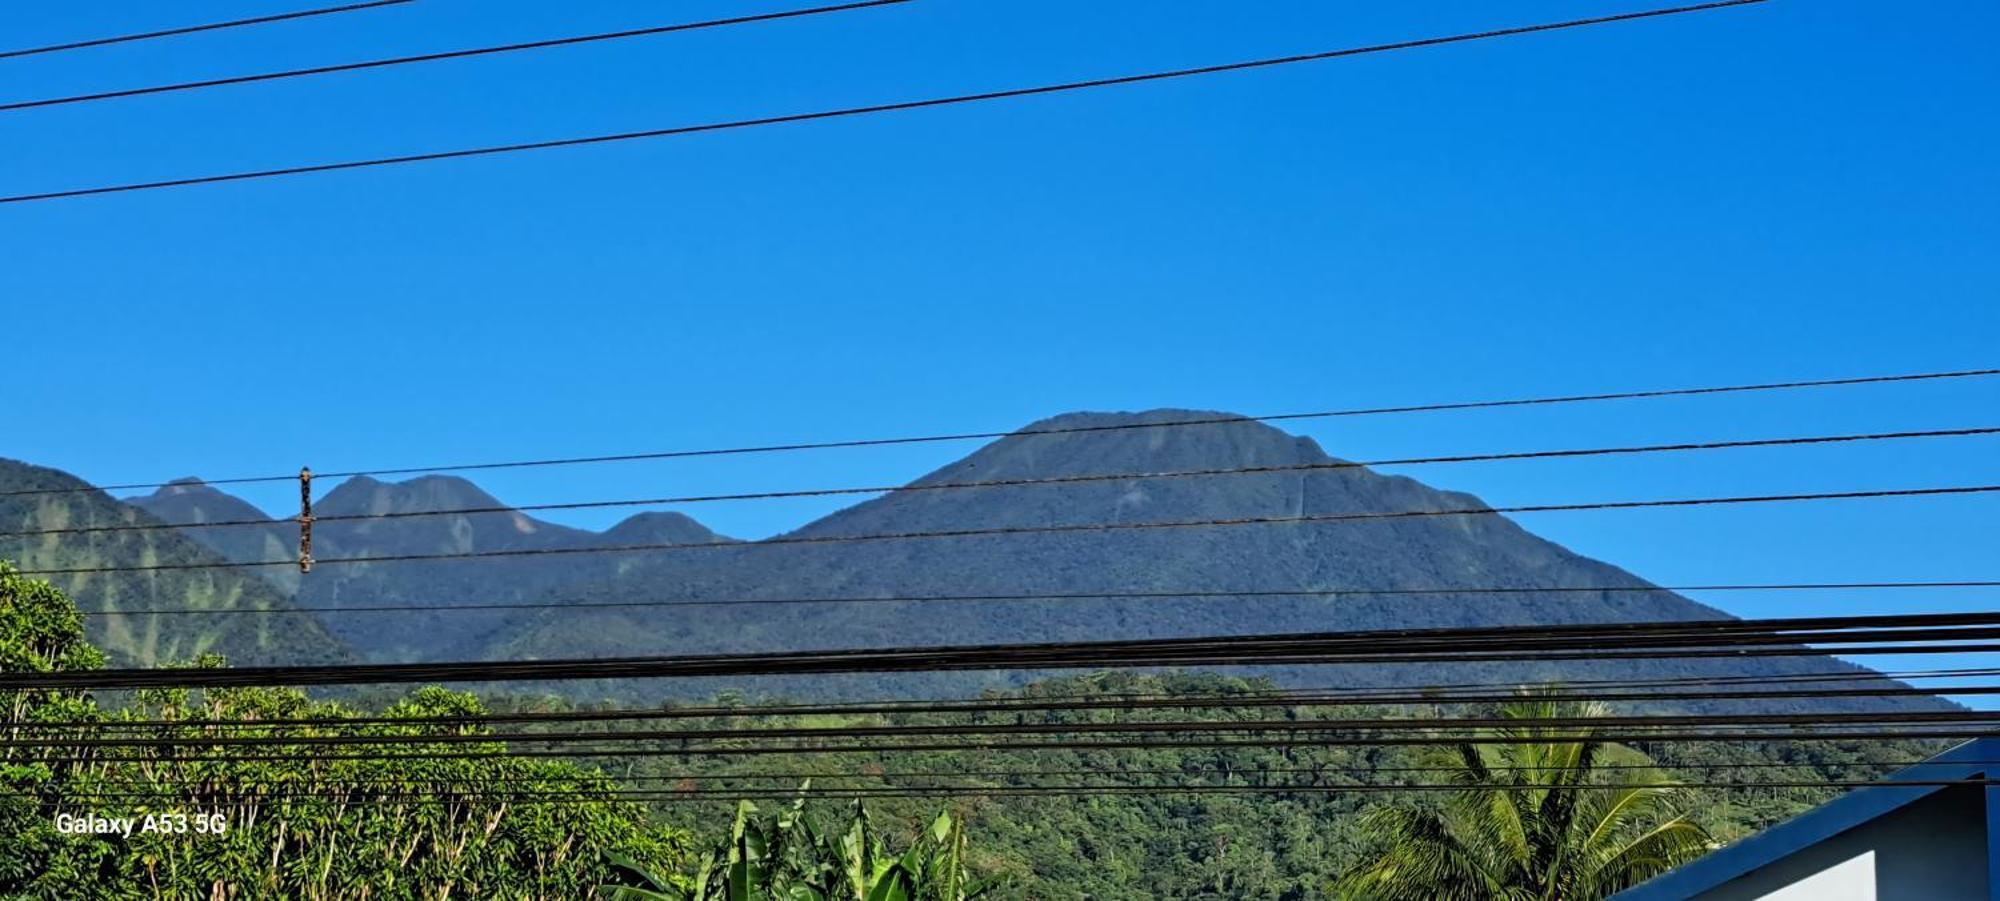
x=305, y=519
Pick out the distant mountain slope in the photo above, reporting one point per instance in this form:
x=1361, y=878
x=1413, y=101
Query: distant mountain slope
x=346, y=587
x=191, y=501
x=1486, y=550
x=1404, y=553
x=656, y=528
x=150, y=639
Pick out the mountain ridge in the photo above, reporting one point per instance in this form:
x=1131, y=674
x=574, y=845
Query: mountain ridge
x=363, y=517
x=114, y=599
x=1129, y=460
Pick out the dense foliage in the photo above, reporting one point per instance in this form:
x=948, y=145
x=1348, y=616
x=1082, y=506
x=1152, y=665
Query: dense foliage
x=281, y=821
x=1290, y=833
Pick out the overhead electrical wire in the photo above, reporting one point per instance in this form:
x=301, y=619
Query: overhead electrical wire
x=1450, y=693
x=643, y=795
x=1664, y=639
x=658, y=668
x=688, y=749
x=1786, y=678
x=654, y=752
x=918, y=487
x=1472, y=639
x=444, y=55
x=669, y=668
x=170, y=782
x=852, y=111
x=194, y=29
x=1010, y=706
x=1189, y=594
x=675, y=668
x=1068, y=791
x=1570, y=728
x=1067, y=528
x=1551, y=400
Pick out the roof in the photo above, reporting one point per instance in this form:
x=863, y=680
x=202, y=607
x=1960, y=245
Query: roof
x=1970, y=760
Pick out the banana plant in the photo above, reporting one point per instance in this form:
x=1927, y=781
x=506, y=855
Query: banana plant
x=650, y=886
x=787, y=857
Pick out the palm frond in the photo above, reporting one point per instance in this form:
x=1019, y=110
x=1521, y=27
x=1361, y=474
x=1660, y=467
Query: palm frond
x=1660, y=849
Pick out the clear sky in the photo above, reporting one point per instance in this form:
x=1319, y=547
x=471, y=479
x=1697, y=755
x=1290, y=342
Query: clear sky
x=1805, y=188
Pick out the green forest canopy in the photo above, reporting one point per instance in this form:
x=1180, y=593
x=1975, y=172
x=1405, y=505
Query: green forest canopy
x=312, y=826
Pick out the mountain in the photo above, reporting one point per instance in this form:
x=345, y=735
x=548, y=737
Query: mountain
x=1441, y=552
x=1484, y=550
x=659, y=528
x=365, y=517
x=59, y=500
x=191, y=501
x=1234, y=567
x=501, y=529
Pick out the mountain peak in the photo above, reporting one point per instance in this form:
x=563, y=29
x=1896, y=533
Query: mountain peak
x=423, y=494
x=185, y=485
x=188, y=500
x=661, y=527
x=1155, y=416
x=1098, y=443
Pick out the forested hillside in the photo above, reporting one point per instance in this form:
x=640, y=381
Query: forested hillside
x=34, y=498
x=1278, y=827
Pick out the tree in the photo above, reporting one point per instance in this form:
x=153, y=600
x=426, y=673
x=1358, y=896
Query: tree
x=1539, y=817
x=40, y=632
x=301, y=820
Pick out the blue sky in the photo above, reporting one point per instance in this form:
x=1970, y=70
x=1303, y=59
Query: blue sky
x=1796, y=189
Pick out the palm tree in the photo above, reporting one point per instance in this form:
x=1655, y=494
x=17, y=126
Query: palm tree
x=1527, y=824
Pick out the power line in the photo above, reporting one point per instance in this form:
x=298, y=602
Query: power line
x=1455, y=693
x=1070, y=528
x=445, y=55
x=987, y=791
x=1667, y=639
x=1958, y=673
x=1472, y=639
x=661, y=668
x=332, y=781
x=1189, y=594
x=192, y=29
x=1554, y=400
x=846, y=112
x=1857, y=674
x=1007, y=706
x=683, y=749
x=1761, y=679
x=1574, y=727
x=1321, y=466
x=675, y=668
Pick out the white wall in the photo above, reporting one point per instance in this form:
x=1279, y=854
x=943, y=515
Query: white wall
x=1852, y=879
x=1932, y=850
